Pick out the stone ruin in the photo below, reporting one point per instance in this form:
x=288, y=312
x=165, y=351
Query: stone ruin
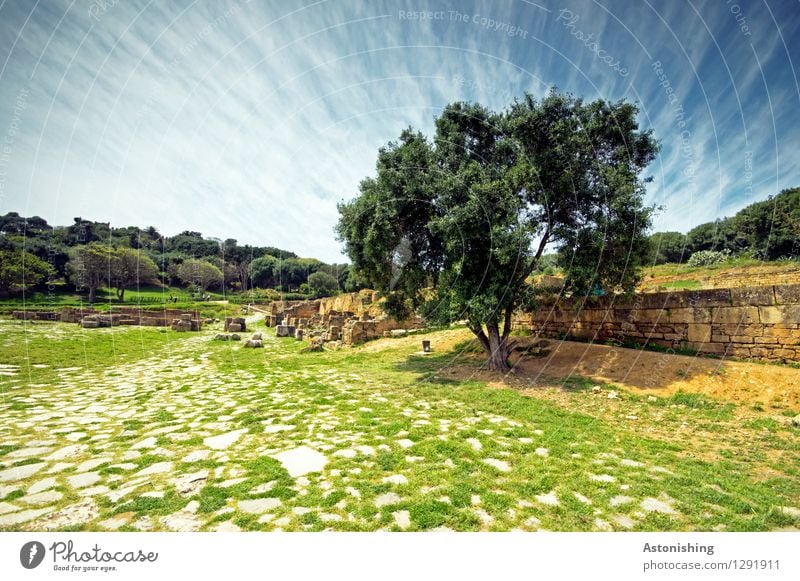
x=347, y=319
x=254, y=342
x=186, y=323
x=235, y=324
x=90, y=318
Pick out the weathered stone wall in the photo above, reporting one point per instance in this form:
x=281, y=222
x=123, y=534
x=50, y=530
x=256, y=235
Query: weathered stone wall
x=747, y=322
x=776, y=276
x=349, y=318
x=117, y=315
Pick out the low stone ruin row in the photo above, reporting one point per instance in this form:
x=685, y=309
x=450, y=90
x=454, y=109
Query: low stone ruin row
x=89, y=318
x=347, y=319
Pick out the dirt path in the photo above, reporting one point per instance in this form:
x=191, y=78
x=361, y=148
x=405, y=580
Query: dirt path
x=665, y=374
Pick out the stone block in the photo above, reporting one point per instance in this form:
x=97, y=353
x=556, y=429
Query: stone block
x=741, y=352
x=736, y=315
x=780, y=314
x=787, y=294
x=752, y=296
x=699, y=332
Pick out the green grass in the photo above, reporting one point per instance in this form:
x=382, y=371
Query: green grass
x=399, y=415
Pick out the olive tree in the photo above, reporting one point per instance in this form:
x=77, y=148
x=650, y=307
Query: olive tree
x=464, y=218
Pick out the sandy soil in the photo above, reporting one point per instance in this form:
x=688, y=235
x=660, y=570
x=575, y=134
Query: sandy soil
x=643, y=372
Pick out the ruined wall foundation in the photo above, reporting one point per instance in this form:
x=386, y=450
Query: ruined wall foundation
x=761, y=323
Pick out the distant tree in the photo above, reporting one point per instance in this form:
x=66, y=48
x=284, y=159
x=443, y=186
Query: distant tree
x=771, y=228
x=20, y=269
x=130, y=268
x=200, y=274
x=472, y=213
x=669, y=247
x=322, y=284
x=263, y=271
x=90, y=266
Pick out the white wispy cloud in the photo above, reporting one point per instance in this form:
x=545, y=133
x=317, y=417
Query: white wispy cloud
x=252, y=120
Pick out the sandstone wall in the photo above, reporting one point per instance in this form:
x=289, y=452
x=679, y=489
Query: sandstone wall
x=747, y=322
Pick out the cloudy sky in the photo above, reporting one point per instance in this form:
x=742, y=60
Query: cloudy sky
x=251, y=119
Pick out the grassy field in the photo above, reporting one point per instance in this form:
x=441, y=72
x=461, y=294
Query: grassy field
x=145, y=429
x=65, y=295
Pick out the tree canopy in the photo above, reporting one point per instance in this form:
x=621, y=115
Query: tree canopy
x=470, y=212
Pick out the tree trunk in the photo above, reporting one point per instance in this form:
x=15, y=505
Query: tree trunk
x=92, y=294
x=121, y=294
x=497, y=348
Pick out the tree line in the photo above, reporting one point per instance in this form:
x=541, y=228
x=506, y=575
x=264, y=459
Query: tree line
x=91, y=255
x=766, y=230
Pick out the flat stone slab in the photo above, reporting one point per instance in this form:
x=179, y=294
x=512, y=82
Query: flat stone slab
x=259, y=505
x=182, y=522
x=197, y=456
x=544, y=452
x=223, y=441
x=68, y=452
x=187, y=483
x=405, y=443
x=602, y=478
x=157, y=468
x=46, y=497
x=42, y=485
x=475, y=443
x=500, y=465
x=398, y=479
x=655, y=505
x=20, y=472
x=402, y=519
x=91, y=464
x=549, y=499
x=346, y=453
x=28, y=452
x=275, y=428
x=16, y=518
x=83, y=480
x=620, y=500
x=72, y=515
x=790, y=511
x=7, y=507
x=387, y=499
x=146, y=443
x=302, y=460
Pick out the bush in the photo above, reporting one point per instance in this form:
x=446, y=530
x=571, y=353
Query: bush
x=709, y=257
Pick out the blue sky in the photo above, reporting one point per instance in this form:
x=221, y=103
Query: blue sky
x=252, y=119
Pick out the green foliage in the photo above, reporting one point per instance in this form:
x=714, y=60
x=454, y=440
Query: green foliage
x=200, y=274
x=20, y=269
x=669, y=247
x=708, y=257
x=471, y=212
x=767, y=230
x=322, y=284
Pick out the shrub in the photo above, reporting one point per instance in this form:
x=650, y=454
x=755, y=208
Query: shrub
x=709, y=257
